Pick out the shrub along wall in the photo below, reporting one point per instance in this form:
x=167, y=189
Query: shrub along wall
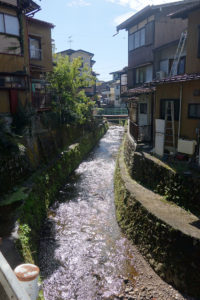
x=34, y=151
x=163, y=232
x=44, y=188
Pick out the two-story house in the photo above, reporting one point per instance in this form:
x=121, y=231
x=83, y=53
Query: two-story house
x=25, y=54
x=87, y=62
x=14, y=58
x=182, y=92
x=40, y=60
x=149, y=31
x=115, y=86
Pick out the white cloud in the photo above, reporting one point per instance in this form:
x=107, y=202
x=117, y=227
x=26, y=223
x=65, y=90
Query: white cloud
x=81, y=3
x=118, y=20
x=139, y=4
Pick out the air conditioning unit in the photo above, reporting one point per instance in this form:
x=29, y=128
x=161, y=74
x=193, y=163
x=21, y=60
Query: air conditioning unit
x=186, y=146
x=160, y=75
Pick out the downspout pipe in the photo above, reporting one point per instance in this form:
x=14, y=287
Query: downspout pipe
x=180, y=111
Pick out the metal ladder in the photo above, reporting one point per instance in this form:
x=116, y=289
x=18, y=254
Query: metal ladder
x=169, y=125
x=178, y=53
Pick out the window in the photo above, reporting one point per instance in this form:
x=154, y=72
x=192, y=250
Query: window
x=143, y=108
x=181, y=66
x=164, y=66
x=9, y=24
x=136, y=39
x=194, y=111
x=144, y=74
x=176, y=108
x=35, y=48
x=140, y=75
x=13, y=82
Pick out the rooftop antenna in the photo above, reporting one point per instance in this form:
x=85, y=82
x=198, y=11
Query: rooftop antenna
x=70, y=41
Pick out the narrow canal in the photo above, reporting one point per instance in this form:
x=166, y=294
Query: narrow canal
x=83, y=254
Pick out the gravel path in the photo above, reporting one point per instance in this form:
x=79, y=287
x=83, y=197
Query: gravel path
x=148, y=285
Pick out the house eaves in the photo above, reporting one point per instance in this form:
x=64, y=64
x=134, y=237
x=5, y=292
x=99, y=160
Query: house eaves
x=147, y=11
x=184, y=12
x=43, y=23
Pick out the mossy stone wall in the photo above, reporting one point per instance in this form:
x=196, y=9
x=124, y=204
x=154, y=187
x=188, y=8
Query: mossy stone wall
x=173, y=254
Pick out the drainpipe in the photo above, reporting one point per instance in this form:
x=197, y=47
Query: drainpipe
x=180, y=110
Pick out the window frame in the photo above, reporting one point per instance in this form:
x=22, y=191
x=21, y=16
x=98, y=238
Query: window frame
x=143, y=108
x=189, y=116
x=132, y=38
x=4, y=25
x=40, y=47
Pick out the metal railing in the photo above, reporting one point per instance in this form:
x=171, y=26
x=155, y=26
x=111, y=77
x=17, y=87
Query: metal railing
x=112, y=111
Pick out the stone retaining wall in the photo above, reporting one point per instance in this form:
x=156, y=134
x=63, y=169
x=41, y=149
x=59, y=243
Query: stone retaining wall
x=182, y=189
x=35, y=151
x=165, y=234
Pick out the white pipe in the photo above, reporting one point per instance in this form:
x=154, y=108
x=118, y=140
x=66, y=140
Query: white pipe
x=180, y=111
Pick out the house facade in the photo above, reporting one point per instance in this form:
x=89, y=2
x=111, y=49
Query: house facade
x=87, y=61
x=16, y=70
x=118, y=84
x=183, y=91
x=40, y=60
x=149, y=52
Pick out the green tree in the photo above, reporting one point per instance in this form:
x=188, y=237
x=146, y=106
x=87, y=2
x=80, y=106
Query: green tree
x=67, y=81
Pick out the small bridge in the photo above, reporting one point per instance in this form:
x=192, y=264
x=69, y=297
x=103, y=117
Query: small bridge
x=112, y=113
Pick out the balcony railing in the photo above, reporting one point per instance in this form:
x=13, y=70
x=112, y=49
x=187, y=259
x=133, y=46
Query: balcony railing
x=41, y=102
x=140, y=133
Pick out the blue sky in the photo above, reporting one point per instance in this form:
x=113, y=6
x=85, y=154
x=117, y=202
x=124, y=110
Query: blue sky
x=92, y=24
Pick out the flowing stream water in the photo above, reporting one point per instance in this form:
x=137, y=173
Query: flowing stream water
x=83, y=254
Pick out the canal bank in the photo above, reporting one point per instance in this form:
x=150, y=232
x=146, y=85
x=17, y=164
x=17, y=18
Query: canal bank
x=163, y=232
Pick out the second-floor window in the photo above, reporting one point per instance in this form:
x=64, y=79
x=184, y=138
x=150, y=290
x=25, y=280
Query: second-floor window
x=142, y=37
x=35, y=48
x=137, y=39
x=9, y=24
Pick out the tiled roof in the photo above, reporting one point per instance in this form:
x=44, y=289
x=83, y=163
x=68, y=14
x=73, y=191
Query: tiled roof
x=139, y=91
x=178, y=78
